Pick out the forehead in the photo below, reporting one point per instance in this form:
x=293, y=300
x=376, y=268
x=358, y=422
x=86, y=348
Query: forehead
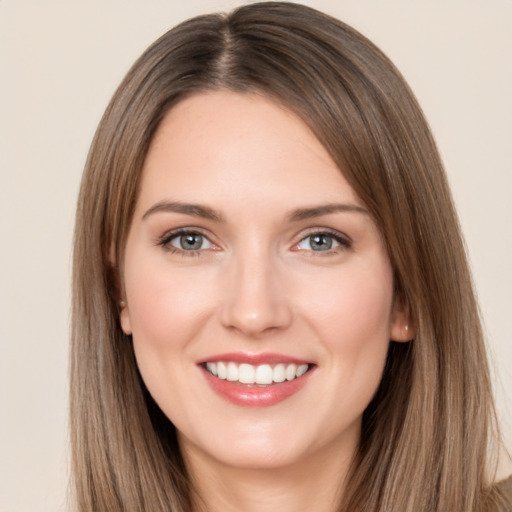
x=223, y=144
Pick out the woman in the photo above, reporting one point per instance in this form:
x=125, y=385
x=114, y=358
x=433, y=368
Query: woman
x=272, y=305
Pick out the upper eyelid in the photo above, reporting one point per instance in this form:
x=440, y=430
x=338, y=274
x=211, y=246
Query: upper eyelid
x=299, y=237
x=171, y=233
x=165, y=241
x=324, y=230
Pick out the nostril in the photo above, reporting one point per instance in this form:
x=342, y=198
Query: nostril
x=255, y=317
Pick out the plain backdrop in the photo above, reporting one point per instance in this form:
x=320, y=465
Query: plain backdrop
x=60, y=62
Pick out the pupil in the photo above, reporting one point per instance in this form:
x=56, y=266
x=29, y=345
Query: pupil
x=321, y=242
x=191, y=242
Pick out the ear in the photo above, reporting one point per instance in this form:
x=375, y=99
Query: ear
x=124, y=318
x=119, y=295
x=401, y=329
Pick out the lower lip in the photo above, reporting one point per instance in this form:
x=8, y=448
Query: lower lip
x=248, y=395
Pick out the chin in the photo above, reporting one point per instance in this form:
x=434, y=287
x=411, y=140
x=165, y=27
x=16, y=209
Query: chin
x=258, y=456
x=258, y=445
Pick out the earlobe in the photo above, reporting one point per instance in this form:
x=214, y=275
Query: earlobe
x=402, y=329
x=124, y=318
x=124, y=313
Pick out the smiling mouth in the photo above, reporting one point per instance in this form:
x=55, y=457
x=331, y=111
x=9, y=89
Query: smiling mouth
x=260, y=375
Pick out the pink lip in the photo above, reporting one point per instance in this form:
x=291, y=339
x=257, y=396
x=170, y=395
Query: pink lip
x=253, y=395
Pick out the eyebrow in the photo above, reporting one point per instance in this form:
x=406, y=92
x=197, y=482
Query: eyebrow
x=195, y=210
x=206, y=212
x=318, y=211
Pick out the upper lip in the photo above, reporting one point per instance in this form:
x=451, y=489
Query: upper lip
x=254, y=359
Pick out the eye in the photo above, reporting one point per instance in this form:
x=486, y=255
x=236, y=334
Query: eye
x=186, y=241
x=190, y=242
x=322, y=241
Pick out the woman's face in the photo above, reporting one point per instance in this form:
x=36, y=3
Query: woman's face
x=258, y=289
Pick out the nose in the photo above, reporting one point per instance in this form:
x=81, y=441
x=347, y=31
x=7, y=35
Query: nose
x=254, y=300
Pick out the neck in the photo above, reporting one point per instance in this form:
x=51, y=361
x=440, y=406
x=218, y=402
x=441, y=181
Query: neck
x=315, y=483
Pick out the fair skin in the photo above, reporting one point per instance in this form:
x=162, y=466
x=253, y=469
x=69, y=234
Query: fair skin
x=248, y=246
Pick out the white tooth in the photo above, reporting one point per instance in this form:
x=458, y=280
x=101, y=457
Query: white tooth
x=302, y=369
x=212, y=368
x=246, y=373
x=222, y=371
x=290, y=371
x=279, y=374
x=264, y=374
x=232, y=374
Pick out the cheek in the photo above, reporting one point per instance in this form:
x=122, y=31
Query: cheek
x=354, y=306
x=167, y=309
x=363, y=313
x=353, y=324
x=165, y=304
x=351, y=315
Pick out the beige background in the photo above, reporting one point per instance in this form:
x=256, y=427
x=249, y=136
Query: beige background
x=59, y=64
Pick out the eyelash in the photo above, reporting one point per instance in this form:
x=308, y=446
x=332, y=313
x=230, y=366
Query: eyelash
x=343, y=241
x=167, y=238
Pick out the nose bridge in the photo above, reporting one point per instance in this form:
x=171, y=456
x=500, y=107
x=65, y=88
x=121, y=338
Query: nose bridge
x=255, y=300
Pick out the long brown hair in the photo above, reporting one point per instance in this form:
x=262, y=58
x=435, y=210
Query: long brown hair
x=426, y=433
